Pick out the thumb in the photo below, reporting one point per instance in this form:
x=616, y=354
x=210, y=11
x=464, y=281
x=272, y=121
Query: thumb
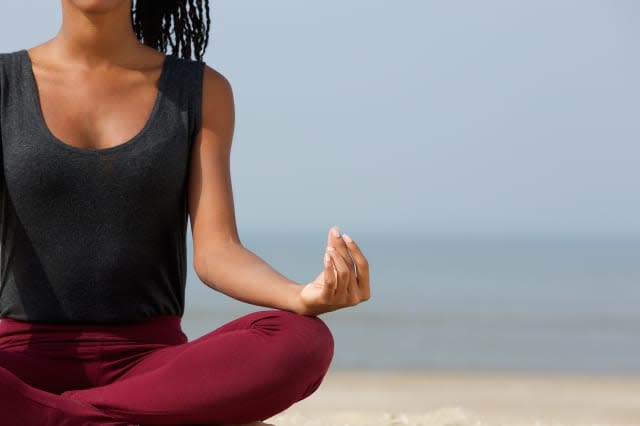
x=329, y=274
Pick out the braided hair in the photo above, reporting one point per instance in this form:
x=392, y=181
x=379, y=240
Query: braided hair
x=188, y=36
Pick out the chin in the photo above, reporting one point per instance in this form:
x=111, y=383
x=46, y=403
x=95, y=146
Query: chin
x=98, y=6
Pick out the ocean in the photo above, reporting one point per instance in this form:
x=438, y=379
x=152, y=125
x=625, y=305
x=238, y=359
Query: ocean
x=518, y=304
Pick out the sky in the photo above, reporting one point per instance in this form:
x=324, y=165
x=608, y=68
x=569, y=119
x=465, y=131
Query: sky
x=422, y=117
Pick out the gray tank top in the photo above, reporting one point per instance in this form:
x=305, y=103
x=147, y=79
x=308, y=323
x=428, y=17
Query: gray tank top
x=94, y=236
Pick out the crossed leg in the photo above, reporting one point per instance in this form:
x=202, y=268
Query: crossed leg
x=25, y=405
x=247, y=370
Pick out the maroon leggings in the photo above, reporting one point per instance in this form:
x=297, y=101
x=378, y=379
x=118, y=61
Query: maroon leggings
x=148, y=374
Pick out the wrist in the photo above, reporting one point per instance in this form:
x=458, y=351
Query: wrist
x=296, y=303
x=304, y=305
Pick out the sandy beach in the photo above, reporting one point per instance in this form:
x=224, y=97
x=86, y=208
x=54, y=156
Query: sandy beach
x=467, y=399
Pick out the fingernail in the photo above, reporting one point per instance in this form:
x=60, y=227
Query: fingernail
x=347, y=238
x=336, y=232
x=329, y=248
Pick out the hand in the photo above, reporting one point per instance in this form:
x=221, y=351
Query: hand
x=343, y=282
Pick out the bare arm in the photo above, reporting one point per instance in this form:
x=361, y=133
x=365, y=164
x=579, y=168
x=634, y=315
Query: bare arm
x=220, y=259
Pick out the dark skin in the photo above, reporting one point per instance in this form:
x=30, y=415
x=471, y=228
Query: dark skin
x=97, y=84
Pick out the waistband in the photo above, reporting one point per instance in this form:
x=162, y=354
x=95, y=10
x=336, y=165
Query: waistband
x=160, y=329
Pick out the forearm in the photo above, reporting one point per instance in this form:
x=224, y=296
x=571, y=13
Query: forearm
x=237, y=272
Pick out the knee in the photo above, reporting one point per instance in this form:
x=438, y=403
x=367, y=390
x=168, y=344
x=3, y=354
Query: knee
x=307, y=341
x=315, y=352
x=317, y=337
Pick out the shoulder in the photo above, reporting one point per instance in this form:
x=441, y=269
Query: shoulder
x=212, y=92
x=217, y=100
x=215, y=86
x=9, y=54
x=7, y=58
x=8, y=66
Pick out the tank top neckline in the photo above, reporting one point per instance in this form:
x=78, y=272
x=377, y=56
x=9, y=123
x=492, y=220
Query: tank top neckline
x=35, y=104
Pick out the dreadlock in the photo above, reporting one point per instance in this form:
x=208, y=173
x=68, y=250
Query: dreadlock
x=152, y=22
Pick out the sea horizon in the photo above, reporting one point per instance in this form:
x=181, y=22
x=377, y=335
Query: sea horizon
x=554, y=304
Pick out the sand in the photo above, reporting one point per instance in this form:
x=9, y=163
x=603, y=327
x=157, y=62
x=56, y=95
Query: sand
x=467, y=399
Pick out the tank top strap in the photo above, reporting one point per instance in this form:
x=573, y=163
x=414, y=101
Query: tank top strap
x=12, y=77
x=184, y=86
x=9, y=65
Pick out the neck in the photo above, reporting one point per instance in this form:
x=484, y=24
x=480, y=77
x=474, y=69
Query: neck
x=95, y=38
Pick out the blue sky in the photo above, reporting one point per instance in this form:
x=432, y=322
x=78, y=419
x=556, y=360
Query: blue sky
x=493, y=117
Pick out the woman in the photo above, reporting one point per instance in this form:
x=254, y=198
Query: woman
x=108, y=145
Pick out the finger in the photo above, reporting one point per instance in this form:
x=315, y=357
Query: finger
x=330, y=289
x=335, y=240
x=329, y=274
x=343, y=274
x=362, y=266
x=333, y=236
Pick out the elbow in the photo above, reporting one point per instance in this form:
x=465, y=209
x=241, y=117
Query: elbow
x=211, y=259
x=203, y=264
x=199, y=266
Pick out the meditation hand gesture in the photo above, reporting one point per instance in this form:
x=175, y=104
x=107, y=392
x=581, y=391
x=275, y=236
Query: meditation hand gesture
x=343, y=282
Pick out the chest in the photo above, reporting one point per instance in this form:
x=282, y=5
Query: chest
x=79, y=161
x=94, y=110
